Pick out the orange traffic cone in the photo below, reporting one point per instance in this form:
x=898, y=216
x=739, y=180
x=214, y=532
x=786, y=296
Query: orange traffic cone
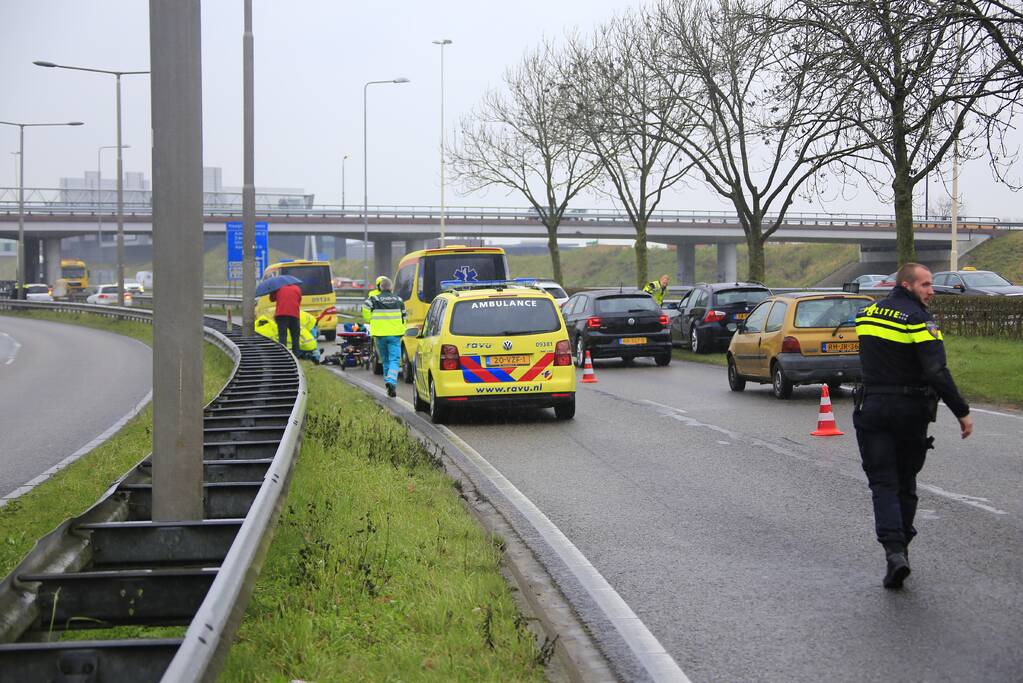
x=825, y=418
x=588, y=374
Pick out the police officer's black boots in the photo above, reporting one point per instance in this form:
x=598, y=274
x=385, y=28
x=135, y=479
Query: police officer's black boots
x=898, y=565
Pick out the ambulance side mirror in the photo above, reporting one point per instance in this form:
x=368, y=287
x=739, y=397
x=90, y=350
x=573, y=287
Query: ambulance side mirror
x=412, y=331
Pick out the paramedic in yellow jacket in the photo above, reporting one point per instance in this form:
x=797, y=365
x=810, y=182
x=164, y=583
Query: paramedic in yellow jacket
x=306, y=341
x=366, y=311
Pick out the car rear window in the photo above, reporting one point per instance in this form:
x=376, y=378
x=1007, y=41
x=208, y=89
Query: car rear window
x=465, y=267
x=38, y=289
x=315, y=279
x=556, y=292
x=628, y=303
x=827, y=312
x=743, y=297
x=504, y=316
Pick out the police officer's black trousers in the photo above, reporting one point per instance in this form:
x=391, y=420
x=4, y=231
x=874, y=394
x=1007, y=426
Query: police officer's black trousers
x=892, y=434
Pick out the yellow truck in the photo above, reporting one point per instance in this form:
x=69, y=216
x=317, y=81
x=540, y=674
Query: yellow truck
x=74, y=277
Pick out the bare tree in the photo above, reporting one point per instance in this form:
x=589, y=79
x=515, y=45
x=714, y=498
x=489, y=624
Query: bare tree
x=752, y=122
x=1003, y=22
x=620, y=107
x=519, y=140
x=922, y=82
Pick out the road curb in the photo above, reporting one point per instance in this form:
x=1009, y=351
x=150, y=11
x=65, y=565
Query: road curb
x=544, y=564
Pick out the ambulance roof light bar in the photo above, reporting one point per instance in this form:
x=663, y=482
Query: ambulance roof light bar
x=457, y=285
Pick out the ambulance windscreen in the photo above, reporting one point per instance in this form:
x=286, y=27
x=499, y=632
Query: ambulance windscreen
x=504, y=317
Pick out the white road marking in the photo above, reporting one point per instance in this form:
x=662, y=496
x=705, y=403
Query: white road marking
x=995, y=412
x=14, y=349
x=649, y=652
x=963, y=498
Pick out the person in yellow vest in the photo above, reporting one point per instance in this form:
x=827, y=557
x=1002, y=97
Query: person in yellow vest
x=373, y=293
x=306, y=341
x=386, y=326
x=657, y=289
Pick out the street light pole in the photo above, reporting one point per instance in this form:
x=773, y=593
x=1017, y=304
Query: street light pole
x=20, y=291
x=249, y=180
x=120, y=167
x=442, y=43
x=343, y=160
x=365, y=178
x=99, y=196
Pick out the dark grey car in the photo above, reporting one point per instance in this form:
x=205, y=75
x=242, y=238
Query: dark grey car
x=974, y=283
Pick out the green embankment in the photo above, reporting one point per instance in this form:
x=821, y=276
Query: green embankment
x=376, y=571
x=788, y=265
x=1004, y=255
x=72, y=490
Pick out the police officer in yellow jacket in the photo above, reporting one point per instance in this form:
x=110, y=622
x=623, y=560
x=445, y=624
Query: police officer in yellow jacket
x=657, y=289
x=904, y=374
x=386, y=326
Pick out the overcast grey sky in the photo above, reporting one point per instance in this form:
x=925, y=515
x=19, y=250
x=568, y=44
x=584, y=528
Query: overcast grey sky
x=312, y=58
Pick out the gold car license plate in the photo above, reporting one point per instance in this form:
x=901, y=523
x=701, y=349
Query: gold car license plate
x=741, y=316
x=507, y=361
x=840, y=347
x=634, y=340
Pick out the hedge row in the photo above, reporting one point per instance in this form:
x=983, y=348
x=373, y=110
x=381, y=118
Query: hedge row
x=979, y=316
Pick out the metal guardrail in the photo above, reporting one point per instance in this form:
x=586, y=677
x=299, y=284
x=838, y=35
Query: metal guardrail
x=113, y=566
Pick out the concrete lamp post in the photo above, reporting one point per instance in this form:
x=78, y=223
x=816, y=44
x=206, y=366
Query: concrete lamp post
x=365, y=178
x=120, y=164
x=20, y=291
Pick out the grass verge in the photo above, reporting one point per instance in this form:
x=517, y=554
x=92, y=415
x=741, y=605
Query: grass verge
x=78, y=486
x=376, y=571
x=984, y=369
x=706, y=358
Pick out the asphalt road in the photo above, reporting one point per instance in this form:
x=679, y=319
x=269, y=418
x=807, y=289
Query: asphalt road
x=61, y=386
x=746, y=546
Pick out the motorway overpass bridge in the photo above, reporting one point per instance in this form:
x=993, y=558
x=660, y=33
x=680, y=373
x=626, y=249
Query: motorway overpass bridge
x=51, y=215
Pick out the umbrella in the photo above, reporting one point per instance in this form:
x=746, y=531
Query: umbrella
x=272, y=284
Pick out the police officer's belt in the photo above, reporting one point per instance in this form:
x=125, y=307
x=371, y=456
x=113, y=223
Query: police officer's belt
x=898, y=390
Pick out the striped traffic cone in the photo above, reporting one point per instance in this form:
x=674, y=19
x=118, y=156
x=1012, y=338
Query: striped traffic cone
x=588, y=374
x=825, y=418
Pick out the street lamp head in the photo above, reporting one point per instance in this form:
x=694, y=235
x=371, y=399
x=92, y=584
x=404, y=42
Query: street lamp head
x=443, y=41
x=49, y=65
x=401, y=79
x=75, y=123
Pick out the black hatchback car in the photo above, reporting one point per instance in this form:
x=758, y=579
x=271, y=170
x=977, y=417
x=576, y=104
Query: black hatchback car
x=709, y=314
x=617, y=324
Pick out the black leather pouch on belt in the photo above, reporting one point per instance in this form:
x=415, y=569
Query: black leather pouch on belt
x=858, y=395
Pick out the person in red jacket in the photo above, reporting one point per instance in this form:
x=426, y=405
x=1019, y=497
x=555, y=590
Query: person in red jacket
x=287, y=313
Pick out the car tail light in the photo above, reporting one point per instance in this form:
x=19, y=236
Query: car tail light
x=714, y=316
x=790, y=345
x=593, y=323
x=663, y=320
x=563, y=353
x=449, y=359
x=458, y=398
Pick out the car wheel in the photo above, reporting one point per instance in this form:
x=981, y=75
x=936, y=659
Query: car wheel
x=694, y=341
x=406, y=367
x=419, y=404
x=438, y=413
x=736, y=382
x=566, y=410
x=330, y=336
x=781, y=385
x=663, y=359
x=580, y=352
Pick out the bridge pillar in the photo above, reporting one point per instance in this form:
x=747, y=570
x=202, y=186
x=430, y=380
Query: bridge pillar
x=381, y=258
x=51, y=259
x=685, y=263
x=340, y=246
x=33, y=246
x=727, y=262
x=414, y=245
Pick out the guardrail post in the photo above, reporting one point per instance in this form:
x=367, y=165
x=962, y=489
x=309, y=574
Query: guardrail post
x=174, y=39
